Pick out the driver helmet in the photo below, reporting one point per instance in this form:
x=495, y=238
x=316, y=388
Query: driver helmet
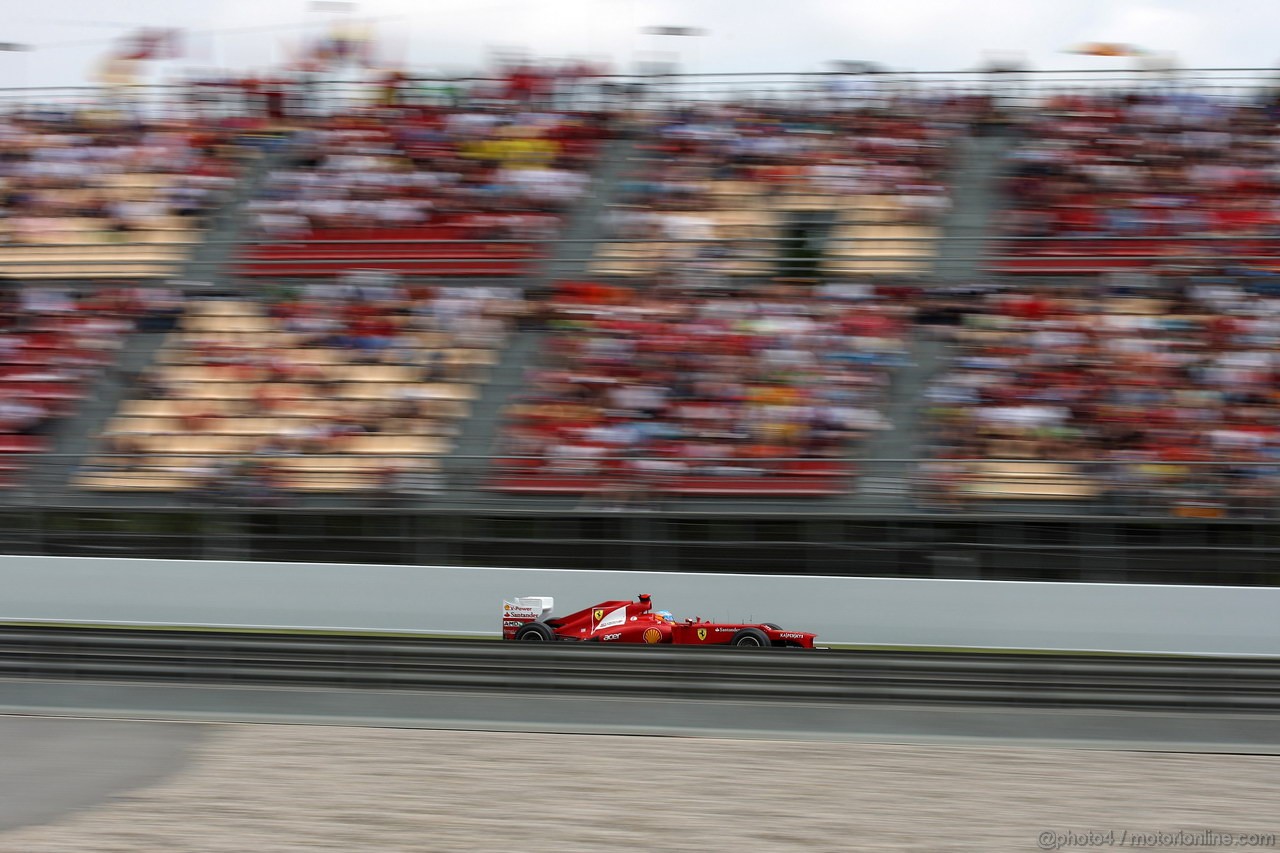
x=665, y=616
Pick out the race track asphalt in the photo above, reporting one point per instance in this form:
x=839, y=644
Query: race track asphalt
x=69, y=746
x=50, y=766
x=937, y=724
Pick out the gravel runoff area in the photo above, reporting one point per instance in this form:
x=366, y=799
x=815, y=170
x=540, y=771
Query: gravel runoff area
x=278, y=789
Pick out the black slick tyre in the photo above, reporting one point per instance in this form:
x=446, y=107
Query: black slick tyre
x=751, y=638
x=535, y=632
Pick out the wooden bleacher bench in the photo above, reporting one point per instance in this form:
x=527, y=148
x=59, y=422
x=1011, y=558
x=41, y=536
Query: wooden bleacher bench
x=198, y=445
x=1029, y=480
x=235, y=417
x=181, y=340
x=627, y=259
x=415, y=390
x=395, y=445
x=226, y=308
x=894, y=249
x=249, y=324
x=806, y=202
x=142, y=480
x=370, y=373
x=134, y=180
x=364, y=463
x=1031, y=490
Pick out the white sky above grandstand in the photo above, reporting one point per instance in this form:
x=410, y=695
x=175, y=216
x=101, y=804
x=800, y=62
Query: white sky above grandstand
x=70, y=37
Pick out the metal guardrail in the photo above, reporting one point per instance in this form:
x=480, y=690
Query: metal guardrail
x=845, y=487
x=844, y=677
x=1012, y=88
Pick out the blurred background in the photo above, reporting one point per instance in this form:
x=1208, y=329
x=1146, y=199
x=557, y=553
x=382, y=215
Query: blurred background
x=863, y=301
x=301, y=291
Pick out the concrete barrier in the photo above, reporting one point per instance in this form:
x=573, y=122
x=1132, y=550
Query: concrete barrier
x=467, y=601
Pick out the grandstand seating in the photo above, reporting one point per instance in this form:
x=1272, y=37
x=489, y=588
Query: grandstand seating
x=334, y=391
x=1066, y=395
x=55, y=344
x=423, y=192
x=734, y=178
x=1107, y=392
x=1108, y=182
x=679, y=394
x=95, y=196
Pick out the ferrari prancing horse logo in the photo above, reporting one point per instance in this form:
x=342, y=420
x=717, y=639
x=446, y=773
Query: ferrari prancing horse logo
x=599, y=614
x=702, y=633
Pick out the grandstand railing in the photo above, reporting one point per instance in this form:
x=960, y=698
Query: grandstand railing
x=1010, y=90
x=1196, y=250
x=1221, y=490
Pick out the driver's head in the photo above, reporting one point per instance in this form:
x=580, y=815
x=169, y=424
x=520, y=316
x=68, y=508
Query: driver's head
x=665, y=616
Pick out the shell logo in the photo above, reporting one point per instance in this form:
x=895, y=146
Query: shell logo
x=702, y=633
x=652, y=635
x=506, y=607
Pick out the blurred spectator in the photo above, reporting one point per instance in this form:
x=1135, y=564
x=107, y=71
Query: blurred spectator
x=667, y=383
x=1174, y=396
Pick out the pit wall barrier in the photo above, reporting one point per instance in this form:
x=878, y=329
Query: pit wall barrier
x=467, y=601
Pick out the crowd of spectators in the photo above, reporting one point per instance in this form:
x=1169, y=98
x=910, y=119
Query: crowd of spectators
x=315, y=373
x=1161, y=396
x=71, y=172
x=899, y=153
x=495, y=171
x=1158, y=166
x=55, y=343
x=734, y=175
x=1162, y=388
x=663, y=382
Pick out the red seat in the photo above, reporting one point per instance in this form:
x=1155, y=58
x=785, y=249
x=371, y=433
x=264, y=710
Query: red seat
x=710, y=486
x=777, y=486
x=47, y=390
x=547, y=485
x=439, y=252
x=23, y=444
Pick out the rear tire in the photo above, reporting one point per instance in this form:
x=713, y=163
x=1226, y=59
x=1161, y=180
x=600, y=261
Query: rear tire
x=535, y=632
x=751, y=637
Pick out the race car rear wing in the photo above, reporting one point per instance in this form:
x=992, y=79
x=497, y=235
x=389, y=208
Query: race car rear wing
x=529, y=608
x=522, y=611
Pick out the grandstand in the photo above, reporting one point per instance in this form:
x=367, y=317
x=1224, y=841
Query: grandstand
x=756, y=330
x=433, y=191
x=97, y=196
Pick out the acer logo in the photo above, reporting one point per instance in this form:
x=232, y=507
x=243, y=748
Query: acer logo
x=607, y=637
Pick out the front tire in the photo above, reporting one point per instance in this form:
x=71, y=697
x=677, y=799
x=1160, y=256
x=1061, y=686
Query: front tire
x=535, y=632
x=751, y=638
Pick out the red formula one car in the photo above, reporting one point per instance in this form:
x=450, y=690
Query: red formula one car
x=529, y=619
